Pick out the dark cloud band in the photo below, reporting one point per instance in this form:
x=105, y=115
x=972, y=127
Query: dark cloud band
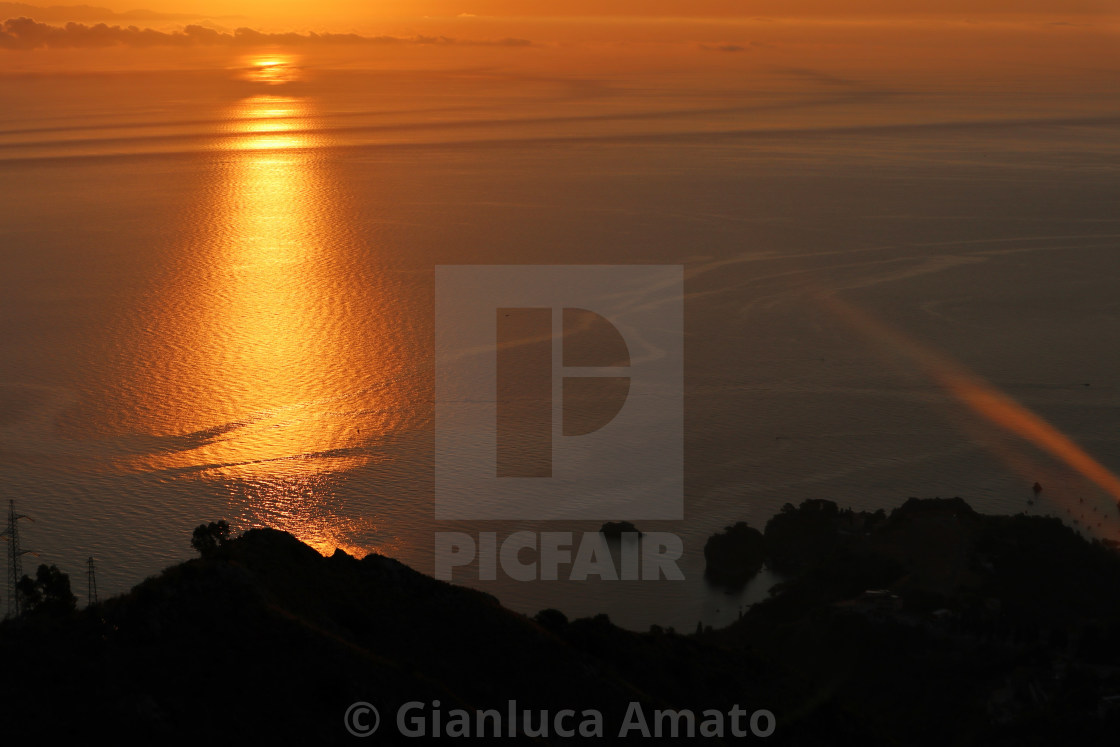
x=27, y=34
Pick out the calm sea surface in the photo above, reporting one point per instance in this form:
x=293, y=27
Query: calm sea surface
x=216, y=299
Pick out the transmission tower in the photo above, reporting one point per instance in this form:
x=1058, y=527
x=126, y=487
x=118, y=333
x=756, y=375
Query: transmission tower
x=15, y=558
x=91, y=583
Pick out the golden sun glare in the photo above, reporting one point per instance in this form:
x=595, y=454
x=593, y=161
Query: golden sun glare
x=271, y=69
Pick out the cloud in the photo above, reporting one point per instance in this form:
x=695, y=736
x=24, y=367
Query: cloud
x=27, y=34
x=86, y=13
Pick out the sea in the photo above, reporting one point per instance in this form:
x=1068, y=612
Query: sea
x=217, y=298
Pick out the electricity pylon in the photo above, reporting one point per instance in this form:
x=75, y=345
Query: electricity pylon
x=15, y=558
x=91, y=583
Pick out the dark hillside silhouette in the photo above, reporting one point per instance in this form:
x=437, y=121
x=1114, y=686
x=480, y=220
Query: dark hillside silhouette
x=886, y=624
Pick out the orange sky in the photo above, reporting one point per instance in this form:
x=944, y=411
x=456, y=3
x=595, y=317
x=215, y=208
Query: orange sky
x=360, y=9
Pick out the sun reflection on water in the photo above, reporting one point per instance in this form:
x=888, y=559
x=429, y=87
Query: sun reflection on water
x=261, y=369
x=301, y=505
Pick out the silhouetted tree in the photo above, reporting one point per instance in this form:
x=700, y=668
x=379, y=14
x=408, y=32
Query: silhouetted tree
x=29, y=593
x=49, y=592
x=735, y=555
x=208, y=538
